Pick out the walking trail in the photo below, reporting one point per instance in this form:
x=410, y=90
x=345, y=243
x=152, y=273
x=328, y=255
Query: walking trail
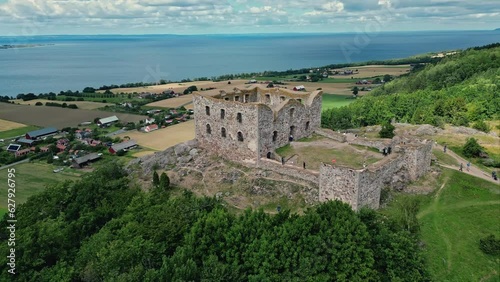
x=474, y=170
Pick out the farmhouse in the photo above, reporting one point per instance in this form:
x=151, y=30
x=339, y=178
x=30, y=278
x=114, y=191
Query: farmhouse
x=22, y=152
x=151, y=127
x=107, y=121
x=81, y=161
x=36, y=134
x=123, y=146
x=299, y=88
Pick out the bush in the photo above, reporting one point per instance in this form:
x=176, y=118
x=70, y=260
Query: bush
x=387, y=130
x=39, y=104
x=481, y=126
x=120, y=153
x=472, y=148
x=490, y=245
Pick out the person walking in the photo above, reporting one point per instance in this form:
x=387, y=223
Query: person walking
x=468, y=166
x=461, y=167
x=444, y=150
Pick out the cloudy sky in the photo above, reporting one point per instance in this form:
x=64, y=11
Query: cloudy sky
x=39, y=17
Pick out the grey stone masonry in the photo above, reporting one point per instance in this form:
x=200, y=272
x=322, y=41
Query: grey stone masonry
x=250, y=123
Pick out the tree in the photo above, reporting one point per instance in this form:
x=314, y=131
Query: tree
x=472, y=149
x=50, y=159
x=355, y=91
x=156, y=179
x=164, y=181
x=482, y=126
x=120, y=153
x=38, y=104
x=387, y=78
x=387, y=130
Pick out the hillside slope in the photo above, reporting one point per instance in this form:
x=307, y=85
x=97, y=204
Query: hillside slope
x=460, y=90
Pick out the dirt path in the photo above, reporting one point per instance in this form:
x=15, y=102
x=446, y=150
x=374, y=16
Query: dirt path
x=474, y=170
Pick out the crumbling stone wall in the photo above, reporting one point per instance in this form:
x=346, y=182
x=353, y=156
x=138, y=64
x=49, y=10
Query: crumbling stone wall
x=338, y=183
x=362, y=187
x=251, y=123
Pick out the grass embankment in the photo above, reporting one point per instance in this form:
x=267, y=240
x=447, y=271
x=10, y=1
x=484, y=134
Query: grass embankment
x=463, y=210
x=17, y=131
x=32, y=178
x=331, y=101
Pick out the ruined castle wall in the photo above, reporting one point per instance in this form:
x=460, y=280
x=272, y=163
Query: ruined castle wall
x=338, y=183
x=418, y=159
x=339, y=137
x=291, y=171
x=229, y=146
x=374, y=178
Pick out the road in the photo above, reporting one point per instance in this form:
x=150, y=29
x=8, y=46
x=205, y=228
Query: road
x=16, y=163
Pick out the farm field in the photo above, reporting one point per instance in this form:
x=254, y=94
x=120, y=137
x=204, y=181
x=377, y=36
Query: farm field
x=17, y=131
x=9, y=125
x=55, y=116
x=335, y=101
x=84, y=105
x=32, y=178
x=163, y=138
x=172, y=102
x=463, y=210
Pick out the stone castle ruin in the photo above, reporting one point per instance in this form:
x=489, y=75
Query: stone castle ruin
x=248, y=125
x=252, y=123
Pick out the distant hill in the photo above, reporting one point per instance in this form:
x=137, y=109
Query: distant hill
x=459, y=89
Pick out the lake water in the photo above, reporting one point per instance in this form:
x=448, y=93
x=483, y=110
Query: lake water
x=74, y=62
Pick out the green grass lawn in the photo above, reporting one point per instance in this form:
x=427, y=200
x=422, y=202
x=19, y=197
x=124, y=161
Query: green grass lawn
x=313, y=156
x=32, y=178
x=444, y=158
x=331, y=101
x=17, y=131
x=453, y=220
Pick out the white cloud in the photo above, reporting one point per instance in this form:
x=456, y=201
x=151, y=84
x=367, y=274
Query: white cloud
x=200, y=16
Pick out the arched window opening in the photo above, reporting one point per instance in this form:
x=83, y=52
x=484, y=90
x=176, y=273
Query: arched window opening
x=236, y=98
x=209, y=129
x=222, y=114
x=247, y=97
x=307, y=125
x=240, y=136
x=207, y=110
x=292, y=111
x=282, y=98
x=275, y=136
x=223, y=132
x=239, y=117
x=268, y=98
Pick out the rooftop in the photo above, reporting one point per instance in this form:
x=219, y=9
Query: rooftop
x=86, y=158
x=42, y=132
x=124, y=145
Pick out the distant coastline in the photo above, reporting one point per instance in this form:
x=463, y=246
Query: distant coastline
x=8, y=46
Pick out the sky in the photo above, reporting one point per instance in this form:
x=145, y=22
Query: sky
x=47, y=17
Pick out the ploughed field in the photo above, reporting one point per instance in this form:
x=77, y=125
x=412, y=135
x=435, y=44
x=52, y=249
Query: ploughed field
x=57, y=117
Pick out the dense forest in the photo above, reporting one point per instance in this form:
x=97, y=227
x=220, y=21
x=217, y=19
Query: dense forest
x=460, y=89
x=104, y=228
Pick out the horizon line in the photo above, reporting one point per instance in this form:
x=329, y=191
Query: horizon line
x=252, y=33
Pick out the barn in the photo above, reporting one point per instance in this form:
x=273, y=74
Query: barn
x=107, y=121
x=81, y=161
x=122, y=146
x=44, y=132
